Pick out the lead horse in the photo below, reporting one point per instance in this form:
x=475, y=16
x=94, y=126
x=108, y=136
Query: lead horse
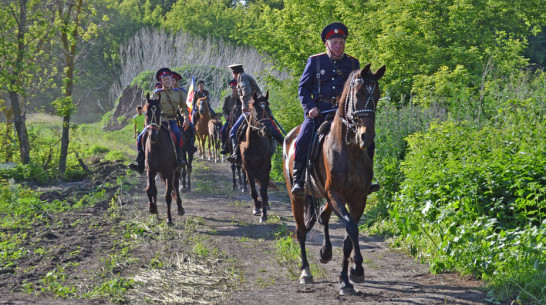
x=341, y=173
x=256, y=150
x=160, y=159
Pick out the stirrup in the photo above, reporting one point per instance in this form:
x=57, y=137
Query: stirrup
x=232, y=158
x=297, y=189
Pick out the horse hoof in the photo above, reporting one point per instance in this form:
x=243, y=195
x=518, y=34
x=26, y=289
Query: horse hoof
x=153, y=210
x=325, y=256
x=257, y=212
x=263, y=219
x=347, y=291
x=170, y=223
x=181, y=212
x=305, y=280
x=354, y=277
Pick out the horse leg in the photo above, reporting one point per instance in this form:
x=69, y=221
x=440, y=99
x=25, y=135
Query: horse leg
x=244, y=181
x=301, y=233
x=176, y=193
x=183, y=178
x=169, y=197
x=325, y=252
x=350, y=242
x=356, y=273
x=234, y=180
x=265, y=198
x=254, y=194
x=151, y=191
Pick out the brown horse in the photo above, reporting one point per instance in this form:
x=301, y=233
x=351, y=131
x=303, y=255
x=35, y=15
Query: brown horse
x=202, y=126
x=235, y=167
x=160, y=159
x=256, y=149
x=341, y=173
x=215, y=124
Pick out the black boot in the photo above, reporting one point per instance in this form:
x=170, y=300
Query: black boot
x=224, y=148
x=374, y=187
x=233, y=157
x=299, y=179
x=180, y=157
x=279, y=138
x=138, y=164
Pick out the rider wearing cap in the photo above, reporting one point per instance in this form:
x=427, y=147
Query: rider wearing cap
x=321, y=83
x=246, y=85
x=201, y=92
x=170, y=101
x=230, y=102
x=191, y=130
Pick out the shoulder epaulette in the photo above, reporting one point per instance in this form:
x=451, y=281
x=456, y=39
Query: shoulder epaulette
x=157, y=90
x=350, y=56
x=319, y=54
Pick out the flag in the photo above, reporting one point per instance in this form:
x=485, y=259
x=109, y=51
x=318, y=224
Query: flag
x=191, y=92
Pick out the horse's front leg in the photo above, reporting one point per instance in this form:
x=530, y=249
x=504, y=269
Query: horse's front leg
x=301, y=233
x=356, y=273
x=265, y=198
x=176, y=193
x=325, y=253
x=244, y=189
x=168, y=197
x=350, y=242
x=254, y=194
x=151, y=191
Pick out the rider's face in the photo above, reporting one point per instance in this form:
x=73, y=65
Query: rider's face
x=336, y=45
x=234, y=90
x=166, y=81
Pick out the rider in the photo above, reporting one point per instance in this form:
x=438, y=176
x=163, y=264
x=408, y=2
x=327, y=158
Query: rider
x=190, y=131
x=170, y=99
x=230, y=102
x=200, y=93
x=246, y=85
x=320, y=84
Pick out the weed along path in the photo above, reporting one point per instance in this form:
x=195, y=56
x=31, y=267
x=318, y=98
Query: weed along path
x=114, y=251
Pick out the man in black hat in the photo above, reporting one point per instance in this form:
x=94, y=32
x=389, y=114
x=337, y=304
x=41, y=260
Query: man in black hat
x=321, y=83
x=246, y=85
x=201, y=92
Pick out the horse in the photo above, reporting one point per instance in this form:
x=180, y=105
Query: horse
x=215, y=125
x=202, y=126
x=235, y=167
x=341, y=173
x=256, y=149
x=160, y=158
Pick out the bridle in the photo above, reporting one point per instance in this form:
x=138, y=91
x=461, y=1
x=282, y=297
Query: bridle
x=351, y=113
x=154, y=122
x=257, y=124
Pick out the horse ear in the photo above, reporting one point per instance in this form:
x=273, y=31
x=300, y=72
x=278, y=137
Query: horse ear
x=380, y=72
x=365, y=70
x=267, y=95
x=148, y=96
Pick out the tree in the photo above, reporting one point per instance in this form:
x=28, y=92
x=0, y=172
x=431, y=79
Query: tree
x=74, y=28
x=24, y=37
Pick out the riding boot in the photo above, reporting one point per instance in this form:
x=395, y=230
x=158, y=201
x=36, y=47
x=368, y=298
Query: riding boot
x=181, y=157
x=374, y=187
x=299, y=179
x=138, y=164
x=233, y=157
x=279, y=138
x=224, y=147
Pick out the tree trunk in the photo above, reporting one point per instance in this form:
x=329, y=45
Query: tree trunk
x=20, y=127
x=64, y=146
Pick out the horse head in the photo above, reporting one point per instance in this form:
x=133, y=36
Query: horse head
x=153, y=116
x=260, y=113
x=203, y=106
x=358, y=104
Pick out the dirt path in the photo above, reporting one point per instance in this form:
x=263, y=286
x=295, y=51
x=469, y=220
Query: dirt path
x=244, y=268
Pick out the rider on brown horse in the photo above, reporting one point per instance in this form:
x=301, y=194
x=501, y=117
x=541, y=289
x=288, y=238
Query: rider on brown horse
x=320, y=84
x=246, y=86
x=230, y=103
x=171, y=101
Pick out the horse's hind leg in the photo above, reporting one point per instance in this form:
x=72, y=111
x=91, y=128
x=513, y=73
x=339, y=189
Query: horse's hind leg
x=234, y=180
x=151, y=191
x=168, y=198
x=326, y=250
x=301, y=233
x=265, y=198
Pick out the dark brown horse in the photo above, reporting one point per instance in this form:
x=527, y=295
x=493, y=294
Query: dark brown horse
x=341, y=173
x=215, y=125
x=202, y=126
x=160, y=159
x=235, y=167
x=256, y=149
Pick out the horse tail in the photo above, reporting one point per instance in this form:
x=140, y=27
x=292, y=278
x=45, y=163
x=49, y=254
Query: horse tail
x=310, y=216
x=270, y=185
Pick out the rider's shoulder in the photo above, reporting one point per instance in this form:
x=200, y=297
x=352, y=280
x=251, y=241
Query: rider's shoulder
x=318, y=55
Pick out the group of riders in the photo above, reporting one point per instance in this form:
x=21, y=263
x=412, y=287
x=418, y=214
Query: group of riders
x=321, y=83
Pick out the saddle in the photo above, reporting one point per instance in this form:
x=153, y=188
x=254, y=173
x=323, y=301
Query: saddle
x=318, y=139
x=241, y=132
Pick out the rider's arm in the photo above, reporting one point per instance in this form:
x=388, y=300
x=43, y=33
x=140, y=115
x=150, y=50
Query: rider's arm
x=307, y=80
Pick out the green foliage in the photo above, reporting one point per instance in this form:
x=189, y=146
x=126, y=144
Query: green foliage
x=473, y=198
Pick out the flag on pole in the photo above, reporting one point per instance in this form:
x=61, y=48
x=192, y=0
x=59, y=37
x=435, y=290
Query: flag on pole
x=191, y=92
